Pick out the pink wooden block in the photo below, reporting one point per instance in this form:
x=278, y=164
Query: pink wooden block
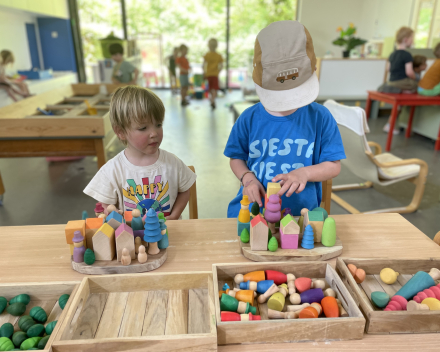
x=123, y=227
x=288, y=241
x=402, y=301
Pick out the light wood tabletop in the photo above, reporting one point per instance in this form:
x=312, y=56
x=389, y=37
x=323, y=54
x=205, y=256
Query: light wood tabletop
x=40, y=253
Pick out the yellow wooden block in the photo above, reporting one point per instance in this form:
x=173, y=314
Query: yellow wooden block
x=72, y=226
x=272, y=188
x=107, y=230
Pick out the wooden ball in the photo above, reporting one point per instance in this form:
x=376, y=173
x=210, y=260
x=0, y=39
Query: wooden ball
x=125, y=251
x=304, y=211
x=136, y=213
x=111, y=208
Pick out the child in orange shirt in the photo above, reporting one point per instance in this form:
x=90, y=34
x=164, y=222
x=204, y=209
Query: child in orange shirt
x=184, y=67
x=429, y=85
x=212, y=65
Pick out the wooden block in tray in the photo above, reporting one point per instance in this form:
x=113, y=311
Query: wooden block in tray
x=44, y=295
x=142, y=312
x=288, y=330
x=379, y=321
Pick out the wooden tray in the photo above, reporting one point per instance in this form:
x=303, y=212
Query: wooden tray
x=320, y=252
x=103, y=267
x=44, y=295
x=379, y=321
x=275, y=331
x=141, y=312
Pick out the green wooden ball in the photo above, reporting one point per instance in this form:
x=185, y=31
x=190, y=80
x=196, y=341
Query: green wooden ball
x=7, y=330
x=3, y=304
x=36, y=330
x=63, y=300
x=23, y=298
x=16, y=309
x=50, y=327
x=30, y=343
x=25, y=322
x=38, y=314
x=6, y=344
x=18, y=338
x=43, y=342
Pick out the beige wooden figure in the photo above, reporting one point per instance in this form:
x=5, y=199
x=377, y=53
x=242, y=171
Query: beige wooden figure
x=318, y=307
x=291, y=283
x=270, y=291
x=274, y=314
x=126, y=257
x=295, y=298
x=342, y=311
x=297, y=308
x=137, y=244
x=318, y=284
x=413, y=305
x=142, y=256
x=329, y=292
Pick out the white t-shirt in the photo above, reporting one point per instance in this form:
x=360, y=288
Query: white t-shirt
x=128, y=186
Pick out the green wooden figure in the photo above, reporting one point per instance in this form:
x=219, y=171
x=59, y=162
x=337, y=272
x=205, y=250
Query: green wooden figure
x=245, y=237
x=89, y=257
x=328, y=237
x=230, y=304
x=273, y=244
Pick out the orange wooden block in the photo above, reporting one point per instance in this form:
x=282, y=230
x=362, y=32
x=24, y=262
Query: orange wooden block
x=330, y=307
x=256, y=276
x=92, y=225
x=308, y=313
x=72, y=226
x=128, y=216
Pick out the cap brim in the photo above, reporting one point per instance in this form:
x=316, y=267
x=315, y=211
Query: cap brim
x=283, y=100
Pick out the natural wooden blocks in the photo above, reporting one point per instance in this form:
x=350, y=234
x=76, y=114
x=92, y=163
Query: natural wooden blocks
x=272, y=188
x=71, y=227
x=316, y=220
x=114, y=219
x=92, y=225
x=124, y=239
x=289, y=232
x=259, y=234
x=104, y=243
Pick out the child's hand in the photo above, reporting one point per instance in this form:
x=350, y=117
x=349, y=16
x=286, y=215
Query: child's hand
x=294, y=181
x=253, y=189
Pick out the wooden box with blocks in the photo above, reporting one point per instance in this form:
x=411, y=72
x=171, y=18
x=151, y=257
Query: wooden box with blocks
x=286, y=330
x=142, y=312
x=392, y=279
x=44, y=295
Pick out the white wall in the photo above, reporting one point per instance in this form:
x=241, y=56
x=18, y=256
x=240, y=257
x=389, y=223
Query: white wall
x=13, y=35
x=374, y=19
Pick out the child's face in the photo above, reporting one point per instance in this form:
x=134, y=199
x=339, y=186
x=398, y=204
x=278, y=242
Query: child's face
x=184, y=52
x=117, y=57
x=409, y=41
x=145, y=138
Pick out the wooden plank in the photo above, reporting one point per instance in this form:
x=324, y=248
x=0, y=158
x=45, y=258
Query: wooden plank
x=156, y=313
x=133, y=320
x=110, y=322
x=91, y=315
x=370, y=284
x=390, y=289
x=177, y=312
x=404, y=278
x=198, y=312
x=54, y=314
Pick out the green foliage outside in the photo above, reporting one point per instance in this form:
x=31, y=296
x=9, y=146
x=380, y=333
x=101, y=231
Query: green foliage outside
x=423, y=27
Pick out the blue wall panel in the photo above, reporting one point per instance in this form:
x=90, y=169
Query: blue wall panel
x=33, y=47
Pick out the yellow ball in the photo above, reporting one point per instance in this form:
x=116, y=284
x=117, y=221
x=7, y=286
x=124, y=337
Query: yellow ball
x=432, y=303
x=388, y=276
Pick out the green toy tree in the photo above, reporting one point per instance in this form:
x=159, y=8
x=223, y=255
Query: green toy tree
x=255, y=210
x=89, y=257
x=273, y=244
x=328, y=237
x=245, y=237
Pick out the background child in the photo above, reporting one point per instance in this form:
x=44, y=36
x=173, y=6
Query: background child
x=212, y=65
x=285, y=138
x=429, y=85
x=184, y=67
x=11, y=85
x=141, y=171
x=172, y=69
x=419, y=65
x=400, y=66
x=123, y=72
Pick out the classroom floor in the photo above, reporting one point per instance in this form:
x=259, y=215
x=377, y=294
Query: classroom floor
x=39, y=192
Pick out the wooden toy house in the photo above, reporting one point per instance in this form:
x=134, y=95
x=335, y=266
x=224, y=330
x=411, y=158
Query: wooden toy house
x=104, y=243
x=289, y=232
x=71, y=227
x=114, y=219
x=259, y=234
x=316, y=220
x=124, y=239
x=92, y=225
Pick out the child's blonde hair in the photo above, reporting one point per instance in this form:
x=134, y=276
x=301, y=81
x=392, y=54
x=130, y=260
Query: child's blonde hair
x=6, y=57
x=212, y=44
x=437, y=51
x=403, y=33
x=134, y=105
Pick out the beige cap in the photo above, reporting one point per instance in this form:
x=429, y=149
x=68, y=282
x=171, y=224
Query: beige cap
x=284, y=66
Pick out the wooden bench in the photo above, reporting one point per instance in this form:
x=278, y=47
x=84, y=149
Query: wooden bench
x=397, y=100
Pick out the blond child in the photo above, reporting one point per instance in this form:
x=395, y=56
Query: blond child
x=142, y=174
x=184, y=67
x=429, y=85
x=212, y=65
x=12, y=86
x=124, y=71
x=287, y=137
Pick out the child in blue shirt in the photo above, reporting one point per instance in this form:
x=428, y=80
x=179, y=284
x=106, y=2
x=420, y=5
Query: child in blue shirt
x=285, y=138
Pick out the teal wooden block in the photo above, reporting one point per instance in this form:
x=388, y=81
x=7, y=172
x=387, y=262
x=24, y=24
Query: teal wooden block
x=380, y=299
x=243, y=225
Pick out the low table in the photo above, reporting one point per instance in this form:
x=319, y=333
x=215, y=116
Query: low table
x=397, y=100
x=40, y=254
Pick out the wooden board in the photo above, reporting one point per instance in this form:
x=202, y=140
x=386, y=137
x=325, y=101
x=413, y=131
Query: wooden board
x=320, y=252
x=288, y=330
x=386, y=322
x=103, y=267
x=141, y=312
x=44, y=295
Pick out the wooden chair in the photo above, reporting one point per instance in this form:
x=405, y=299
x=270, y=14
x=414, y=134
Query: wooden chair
x=326, y=195
x=193, y=212
x=379, y=168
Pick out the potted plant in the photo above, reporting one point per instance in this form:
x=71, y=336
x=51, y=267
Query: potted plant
x=347, y=39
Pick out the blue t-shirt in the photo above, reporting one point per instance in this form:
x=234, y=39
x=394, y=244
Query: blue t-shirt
x=272, y=145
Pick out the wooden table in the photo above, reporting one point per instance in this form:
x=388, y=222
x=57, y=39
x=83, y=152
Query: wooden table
x=39, y=254
x=397, y=100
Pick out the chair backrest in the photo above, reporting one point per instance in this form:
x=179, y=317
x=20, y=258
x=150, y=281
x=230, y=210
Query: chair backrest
x=352, y=124
x=193, y=210
x=326, y=195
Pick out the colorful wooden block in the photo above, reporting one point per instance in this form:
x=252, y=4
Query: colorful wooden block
x=244, y=215
x=260, y=287
x=128, y=216
x=114, y=219
x=289, y=241
x=72, y=226
x=243, y=225
x=289, y=225
x=272, y=188
x=259, y=234
x=419, y=282
x=316, y=220
x=232, y=316
x=92, y=225
x=230, y=304
x=124, y=239
x=312, y=295
x=104, y=243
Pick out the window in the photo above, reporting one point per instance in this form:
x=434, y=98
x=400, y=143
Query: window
x=424, y=21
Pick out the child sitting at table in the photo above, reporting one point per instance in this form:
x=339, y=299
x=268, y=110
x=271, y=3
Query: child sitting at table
x=12, y=86
x=419, y=65
x=429, y=85
x=142, y=170
x=287, y=137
